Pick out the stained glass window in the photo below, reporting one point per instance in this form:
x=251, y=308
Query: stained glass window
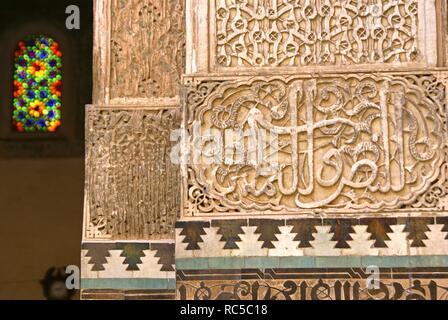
x=37, y=85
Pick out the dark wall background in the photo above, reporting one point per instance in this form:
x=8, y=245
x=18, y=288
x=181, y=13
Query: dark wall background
x=42, y=176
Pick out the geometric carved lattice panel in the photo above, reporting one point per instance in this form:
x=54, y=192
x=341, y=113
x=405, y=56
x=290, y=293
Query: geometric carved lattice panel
x=315, y=32
x=335, y=143
x=131, y=184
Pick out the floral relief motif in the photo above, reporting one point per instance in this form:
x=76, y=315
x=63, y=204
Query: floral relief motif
x=259, y=33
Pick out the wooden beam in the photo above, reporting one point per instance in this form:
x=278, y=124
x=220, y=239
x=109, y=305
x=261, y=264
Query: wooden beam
x=441, y=16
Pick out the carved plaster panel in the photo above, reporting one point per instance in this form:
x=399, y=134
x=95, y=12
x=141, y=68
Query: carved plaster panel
x=334, y=143
x=140, y=51
x=248, y=35
x=132, y=187
x=147, y=48
x=309, y=32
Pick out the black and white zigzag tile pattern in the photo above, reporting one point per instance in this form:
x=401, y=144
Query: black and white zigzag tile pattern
x=313, y=237
x=127, y=260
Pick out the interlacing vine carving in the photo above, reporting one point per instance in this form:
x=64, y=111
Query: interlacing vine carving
x=260, y=33
x=437, y=195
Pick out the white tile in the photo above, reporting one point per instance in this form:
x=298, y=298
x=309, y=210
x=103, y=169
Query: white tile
x=286, y=246
x=212, y=247
x=398, y=245
x=249, y=246
x=322, y=245
x=150, y=267
x=361, y=245
x=115, y=268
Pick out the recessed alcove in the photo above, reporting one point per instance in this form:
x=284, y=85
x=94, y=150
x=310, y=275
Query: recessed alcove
x=48, y=18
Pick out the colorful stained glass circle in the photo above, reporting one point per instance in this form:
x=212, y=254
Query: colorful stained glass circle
x=37, y=85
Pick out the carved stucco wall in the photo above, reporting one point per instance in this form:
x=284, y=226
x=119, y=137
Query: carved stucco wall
x=130, y=178
x=354, y=95
x=344, y=143
x=314, y=33
x=148, y=47
x=301, y=33
x=139, y=52
x=132, y=192
x=361, y=172
x=128, y=128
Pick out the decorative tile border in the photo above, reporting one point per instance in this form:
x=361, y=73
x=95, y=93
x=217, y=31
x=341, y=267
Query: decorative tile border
x=231, y=263
x=147, y=294
x=313, y=284
x=378, y=236
x=126, y=283
x=127, y=271
x=312, y=258
x=128, y=265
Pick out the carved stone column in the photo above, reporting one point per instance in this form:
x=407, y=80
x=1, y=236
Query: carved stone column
x=351, y=175
x=132, y=196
